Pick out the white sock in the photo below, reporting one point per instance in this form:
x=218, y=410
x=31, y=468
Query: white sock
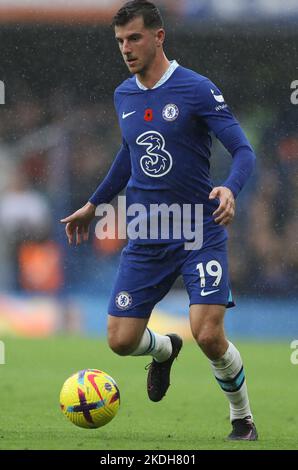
x=228, y=371
x=155, y=345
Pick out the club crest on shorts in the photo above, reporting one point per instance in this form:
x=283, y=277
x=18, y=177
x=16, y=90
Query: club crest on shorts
x=123, y=300
x=170, y=112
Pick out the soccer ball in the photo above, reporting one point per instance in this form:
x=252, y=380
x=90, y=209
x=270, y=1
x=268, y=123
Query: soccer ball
x=90, y=398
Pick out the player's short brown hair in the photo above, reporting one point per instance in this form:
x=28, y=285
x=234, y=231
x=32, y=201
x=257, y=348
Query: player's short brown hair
x=135, y=8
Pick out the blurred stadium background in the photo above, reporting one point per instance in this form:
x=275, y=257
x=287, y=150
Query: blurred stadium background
x=59, y=135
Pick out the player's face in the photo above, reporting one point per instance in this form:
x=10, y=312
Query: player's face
x=138, y=45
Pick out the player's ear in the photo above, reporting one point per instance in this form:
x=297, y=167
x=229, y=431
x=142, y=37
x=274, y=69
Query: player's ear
x=160, y=37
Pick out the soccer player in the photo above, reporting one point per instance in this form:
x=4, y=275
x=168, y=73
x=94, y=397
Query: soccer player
x=166, y=113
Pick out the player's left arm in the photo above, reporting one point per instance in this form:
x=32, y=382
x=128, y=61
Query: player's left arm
x=217, y=115
x=235, y=141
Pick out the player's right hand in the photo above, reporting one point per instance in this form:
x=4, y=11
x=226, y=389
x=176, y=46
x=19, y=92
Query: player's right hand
x=78, y=223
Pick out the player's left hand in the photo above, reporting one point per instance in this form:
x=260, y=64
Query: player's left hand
x=225, y=212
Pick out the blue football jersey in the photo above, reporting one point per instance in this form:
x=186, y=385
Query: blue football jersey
x=166, y=131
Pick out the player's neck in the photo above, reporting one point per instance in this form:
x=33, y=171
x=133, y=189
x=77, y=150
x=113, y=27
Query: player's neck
x=152, y=76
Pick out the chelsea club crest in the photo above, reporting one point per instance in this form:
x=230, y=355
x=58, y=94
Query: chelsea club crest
x=170, y=112
x=123, y=300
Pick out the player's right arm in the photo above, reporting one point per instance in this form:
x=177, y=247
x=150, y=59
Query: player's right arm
x=78, y=224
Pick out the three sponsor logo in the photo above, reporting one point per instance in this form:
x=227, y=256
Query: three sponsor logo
x=157, y=161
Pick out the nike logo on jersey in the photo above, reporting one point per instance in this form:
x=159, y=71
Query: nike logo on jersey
x=125, y=115
x=203, y=293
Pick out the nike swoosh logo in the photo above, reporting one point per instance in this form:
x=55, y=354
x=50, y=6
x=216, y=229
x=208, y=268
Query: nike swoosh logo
x=91, y=378
x=203, y=293
x=125, y=115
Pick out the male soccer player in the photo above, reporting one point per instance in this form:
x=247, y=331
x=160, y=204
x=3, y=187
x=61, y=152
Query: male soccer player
x=166, y=113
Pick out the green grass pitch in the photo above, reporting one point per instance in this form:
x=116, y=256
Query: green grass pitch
x=193, y=415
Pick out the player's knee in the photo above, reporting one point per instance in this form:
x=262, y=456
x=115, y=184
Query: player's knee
x=207, y=339
x=121, y=346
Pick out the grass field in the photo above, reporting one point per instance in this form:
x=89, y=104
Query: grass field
x=193, y=415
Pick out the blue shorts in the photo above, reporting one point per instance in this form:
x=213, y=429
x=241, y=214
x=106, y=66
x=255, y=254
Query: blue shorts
x=147, y=272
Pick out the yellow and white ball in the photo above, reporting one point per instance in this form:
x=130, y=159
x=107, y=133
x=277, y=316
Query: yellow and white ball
x=90, y=398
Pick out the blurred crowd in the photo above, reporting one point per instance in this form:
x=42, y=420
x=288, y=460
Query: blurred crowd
x=55, y=150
